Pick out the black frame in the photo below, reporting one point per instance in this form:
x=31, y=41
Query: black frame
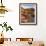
x=36, y=13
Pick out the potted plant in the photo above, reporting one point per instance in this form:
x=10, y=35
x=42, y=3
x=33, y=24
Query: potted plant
x=4, y=25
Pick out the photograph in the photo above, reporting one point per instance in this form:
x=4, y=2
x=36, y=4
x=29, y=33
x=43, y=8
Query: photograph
x=28, y=13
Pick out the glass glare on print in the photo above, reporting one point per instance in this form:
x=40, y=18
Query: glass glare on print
x=28, y=13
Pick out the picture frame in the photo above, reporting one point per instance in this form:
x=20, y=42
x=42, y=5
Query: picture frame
x=28, y=13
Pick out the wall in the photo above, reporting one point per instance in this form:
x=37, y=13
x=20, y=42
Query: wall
x=38, y=32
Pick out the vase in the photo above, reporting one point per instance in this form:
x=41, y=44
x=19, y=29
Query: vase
x=1, y=38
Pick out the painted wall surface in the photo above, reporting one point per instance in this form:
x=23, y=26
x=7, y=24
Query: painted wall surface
x=38, y=32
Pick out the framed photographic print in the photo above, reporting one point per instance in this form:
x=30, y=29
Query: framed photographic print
x=28, y=13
